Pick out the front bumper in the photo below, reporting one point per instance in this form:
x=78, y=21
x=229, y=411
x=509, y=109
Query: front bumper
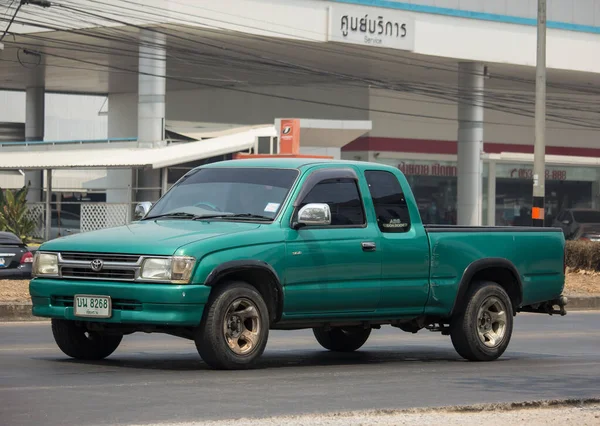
x=22, y=272
x=133, y=303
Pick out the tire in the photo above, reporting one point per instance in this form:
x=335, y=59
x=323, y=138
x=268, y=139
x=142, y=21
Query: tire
x=483, y=330
x=342, y=339
x=227, y=340
x=79, y=343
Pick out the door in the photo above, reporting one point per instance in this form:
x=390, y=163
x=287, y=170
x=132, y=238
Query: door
x=333, y=269
x=404, y=247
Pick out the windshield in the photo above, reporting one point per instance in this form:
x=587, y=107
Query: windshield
x=228, y=191
x=587, y=216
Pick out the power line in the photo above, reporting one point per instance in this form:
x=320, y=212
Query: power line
x=11, y=20
x=439, y=92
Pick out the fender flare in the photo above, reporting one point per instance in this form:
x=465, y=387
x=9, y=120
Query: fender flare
x=480, y=265
x=235, y=266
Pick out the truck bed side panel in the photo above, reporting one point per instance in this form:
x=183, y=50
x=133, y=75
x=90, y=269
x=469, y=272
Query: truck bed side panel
x=537, y=254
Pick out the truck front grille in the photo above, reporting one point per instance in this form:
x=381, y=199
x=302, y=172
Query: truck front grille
x=105, y=273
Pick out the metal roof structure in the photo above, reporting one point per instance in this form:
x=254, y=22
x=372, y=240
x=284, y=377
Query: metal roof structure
x=120, y=157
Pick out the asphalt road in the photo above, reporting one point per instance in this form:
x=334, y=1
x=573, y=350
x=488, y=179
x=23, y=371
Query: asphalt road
x=155, y=378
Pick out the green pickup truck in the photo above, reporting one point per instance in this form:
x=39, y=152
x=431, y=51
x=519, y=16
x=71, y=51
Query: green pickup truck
x=237, y=248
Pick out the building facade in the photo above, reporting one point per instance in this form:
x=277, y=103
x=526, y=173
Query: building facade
x=448, y=87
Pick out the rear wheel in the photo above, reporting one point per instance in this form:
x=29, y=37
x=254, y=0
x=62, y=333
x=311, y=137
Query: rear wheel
x=483, y=330
x=235, y=327
x=342, y=339
x=79, y=343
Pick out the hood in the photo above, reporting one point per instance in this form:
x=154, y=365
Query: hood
x=151, y=237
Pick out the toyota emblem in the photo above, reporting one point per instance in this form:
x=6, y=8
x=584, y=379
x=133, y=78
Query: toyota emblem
x=97, y=265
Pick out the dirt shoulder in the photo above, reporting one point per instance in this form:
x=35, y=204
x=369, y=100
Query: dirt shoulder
x=582, y=415
x=578, y=283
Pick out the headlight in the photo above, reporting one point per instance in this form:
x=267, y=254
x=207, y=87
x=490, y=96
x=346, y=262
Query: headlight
x=176, y=269
x=45, y=264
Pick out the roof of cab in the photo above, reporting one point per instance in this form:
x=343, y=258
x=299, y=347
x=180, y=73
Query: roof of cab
x=289, y=163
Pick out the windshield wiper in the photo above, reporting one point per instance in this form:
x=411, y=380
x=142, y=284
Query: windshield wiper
x=233, y=216
x=183, y=215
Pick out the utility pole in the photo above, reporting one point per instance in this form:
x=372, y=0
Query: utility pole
x=539, y=152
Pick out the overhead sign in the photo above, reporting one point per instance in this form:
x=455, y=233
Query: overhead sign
x=370, y=26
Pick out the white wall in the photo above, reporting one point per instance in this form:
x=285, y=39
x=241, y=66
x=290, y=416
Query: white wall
x=516, y=130
x=583, y=12
x=438, y=35
x=12, y=107
x=67, y=117
x=235, y=107
x=70, y=117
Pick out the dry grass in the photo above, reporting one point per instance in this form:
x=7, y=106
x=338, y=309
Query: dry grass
x=578, y=283
x=582, y=283
x=14, y=291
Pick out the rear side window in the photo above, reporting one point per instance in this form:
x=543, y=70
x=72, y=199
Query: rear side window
x=343, y=198
x=389, y=201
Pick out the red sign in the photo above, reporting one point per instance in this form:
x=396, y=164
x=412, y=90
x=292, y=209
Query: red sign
x=427, y=169
x=289, y=137
x=528, y=174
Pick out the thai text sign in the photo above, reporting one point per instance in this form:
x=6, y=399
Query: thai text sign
x=369, y=26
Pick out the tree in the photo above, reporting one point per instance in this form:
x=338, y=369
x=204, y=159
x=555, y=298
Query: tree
x=13, y=213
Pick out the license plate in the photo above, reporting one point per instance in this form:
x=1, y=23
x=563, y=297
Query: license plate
x=92, y=306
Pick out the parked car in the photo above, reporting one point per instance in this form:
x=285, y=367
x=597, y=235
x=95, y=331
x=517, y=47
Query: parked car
x=237, y=248
x=579, y=224
x=15, y=258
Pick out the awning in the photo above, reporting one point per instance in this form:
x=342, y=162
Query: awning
x=155, y=158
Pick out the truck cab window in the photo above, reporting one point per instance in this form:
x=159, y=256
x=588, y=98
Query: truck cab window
x=391, y=209
x=343, y=198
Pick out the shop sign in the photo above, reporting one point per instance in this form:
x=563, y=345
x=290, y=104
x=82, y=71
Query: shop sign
x=370, y=26
x=552, y=173
x=427, y=169
x=527, y=173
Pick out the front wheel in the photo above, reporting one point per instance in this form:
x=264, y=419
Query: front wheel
x=483, y=330
x=235, y=327
x=79, y=343
x=342, y=339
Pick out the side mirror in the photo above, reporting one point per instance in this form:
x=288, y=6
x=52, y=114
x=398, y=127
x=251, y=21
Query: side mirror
x=314, y=214
x=141, y=210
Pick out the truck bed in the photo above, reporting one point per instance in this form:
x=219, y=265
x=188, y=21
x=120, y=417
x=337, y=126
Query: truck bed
x=531, y=252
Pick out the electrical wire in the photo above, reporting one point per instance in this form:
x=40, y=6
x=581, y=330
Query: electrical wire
x=162, y=12
x=429, y=90
x=11, y=21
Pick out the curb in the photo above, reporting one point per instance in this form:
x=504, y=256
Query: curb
x=583, y=303
x=11, y=312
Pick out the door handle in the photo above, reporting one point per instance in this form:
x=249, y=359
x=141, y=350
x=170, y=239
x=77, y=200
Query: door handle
x=368, y=246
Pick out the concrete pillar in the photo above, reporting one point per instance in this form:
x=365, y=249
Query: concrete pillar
x=122, y=112
x=491, y=193
x=34, y=131
x=470, y=143
x=151, y=106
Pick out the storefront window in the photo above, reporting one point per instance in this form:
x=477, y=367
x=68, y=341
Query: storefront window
x=434, y=184
x=566, y=187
